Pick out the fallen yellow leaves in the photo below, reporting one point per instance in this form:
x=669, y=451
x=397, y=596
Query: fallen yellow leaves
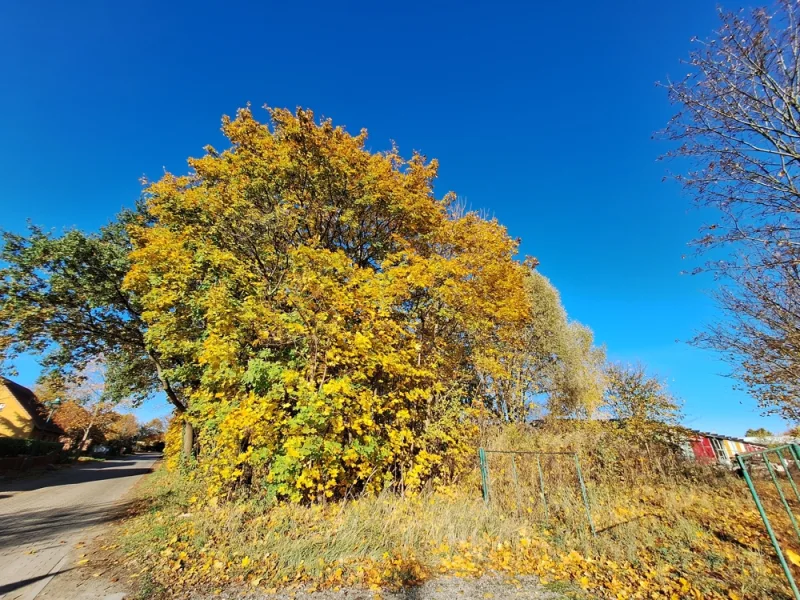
x=793, y=557
x=703, y=543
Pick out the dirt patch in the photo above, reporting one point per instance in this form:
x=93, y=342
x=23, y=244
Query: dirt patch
x=490, y=586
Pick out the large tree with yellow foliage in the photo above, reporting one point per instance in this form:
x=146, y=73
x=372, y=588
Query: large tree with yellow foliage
x=337, y=326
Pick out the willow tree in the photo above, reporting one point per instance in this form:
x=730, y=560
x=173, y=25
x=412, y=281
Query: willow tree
x=550, y=367
x=739, y=128
x=343, y=318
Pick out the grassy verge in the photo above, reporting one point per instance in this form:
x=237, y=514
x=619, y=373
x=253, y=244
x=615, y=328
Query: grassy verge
x=676, y=539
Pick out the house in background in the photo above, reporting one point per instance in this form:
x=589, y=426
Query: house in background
x=708, y=447
x=23, y=416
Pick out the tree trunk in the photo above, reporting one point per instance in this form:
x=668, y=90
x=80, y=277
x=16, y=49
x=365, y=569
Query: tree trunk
x=84, y=445
x=85, y=440
x=187, y=448
x=188, y=438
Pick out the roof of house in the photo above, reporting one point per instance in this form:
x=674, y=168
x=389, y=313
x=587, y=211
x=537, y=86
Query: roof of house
x=32, y=406
x=726, y=437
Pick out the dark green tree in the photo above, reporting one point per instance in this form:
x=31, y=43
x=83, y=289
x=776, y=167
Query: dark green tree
x=61, y=298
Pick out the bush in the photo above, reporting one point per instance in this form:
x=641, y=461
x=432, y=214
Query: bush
x=23, y=447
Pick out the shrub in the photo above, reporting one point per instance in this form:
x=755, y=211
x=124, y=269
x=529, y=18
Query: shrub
x=25, y=447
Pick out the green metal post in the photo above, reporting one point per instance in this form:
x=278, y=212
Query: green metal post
x=516, y=485
x=484, y=474
x=793, y=449
x=541, y=485
x=771, y=533
x=788, y=474
x=783, y=497
x=585, y=495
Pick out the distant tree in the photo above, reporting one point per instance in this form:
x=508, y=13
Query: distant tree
x=151, y=434
x=758, y=433
x=62, y=298
x=51, y=392
x=157, y=426
x=88, y=388
x=793, y=431
x=641, y=401
x=74, y=420
x=552, y=365
x=122, y=430
x=579, y=382
x=739, y=126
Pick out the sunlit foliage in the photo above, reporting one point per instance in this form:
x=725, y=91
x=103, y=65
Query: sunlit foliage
x=338, y=327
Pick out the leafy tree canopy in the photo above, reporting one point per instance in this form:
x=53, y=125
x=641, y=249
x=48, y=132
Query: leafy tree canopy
x=759, y=433
x=336, y=325
x=640, y=401
x=61, y=298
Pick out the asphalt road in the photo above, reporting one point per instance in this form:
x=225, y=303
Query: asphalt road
x=44, y=520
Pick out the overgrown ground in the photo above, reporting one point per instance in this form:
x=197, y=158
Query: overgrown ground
x=689, y=533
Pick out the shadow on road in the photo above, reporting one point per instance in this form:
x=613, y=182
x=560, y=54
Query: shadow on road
x=52, y=524
x=10, y=587
x=83, y=472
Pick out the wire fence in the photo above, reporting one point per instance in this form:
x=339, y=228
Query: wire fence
x=515, y=481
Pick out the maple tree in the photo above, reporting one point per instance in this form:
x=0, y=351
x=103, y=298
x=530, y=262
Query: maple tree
x=336, y=325
x=73, y=420
x=83, y=427
x=84, y=409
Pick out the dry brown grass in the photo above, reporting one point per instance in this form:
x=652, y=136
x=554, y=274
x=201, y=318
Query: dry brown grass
x=669, y=528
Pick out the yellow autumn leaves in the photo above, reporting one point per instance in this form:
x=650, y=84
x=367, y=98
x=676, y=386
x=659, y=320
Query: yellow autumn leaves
x=335, y=325
x=700, y=543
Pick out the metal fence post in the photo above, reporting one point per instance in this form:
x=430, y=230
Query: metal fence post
x=793, y=450
x=516, y=485
x=788, y=474
x=484, y=474
x=781, y=494
x=541, y=485
x=585, y=495
x=771, y=533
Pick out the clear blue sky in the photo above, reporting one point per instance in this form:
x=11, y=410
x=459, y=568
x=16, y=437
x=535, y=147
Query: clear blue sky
x=540, y=113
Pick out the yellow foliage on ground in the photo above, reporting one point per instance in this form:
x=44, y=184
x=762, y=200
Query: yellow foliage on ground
x=671, y=531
